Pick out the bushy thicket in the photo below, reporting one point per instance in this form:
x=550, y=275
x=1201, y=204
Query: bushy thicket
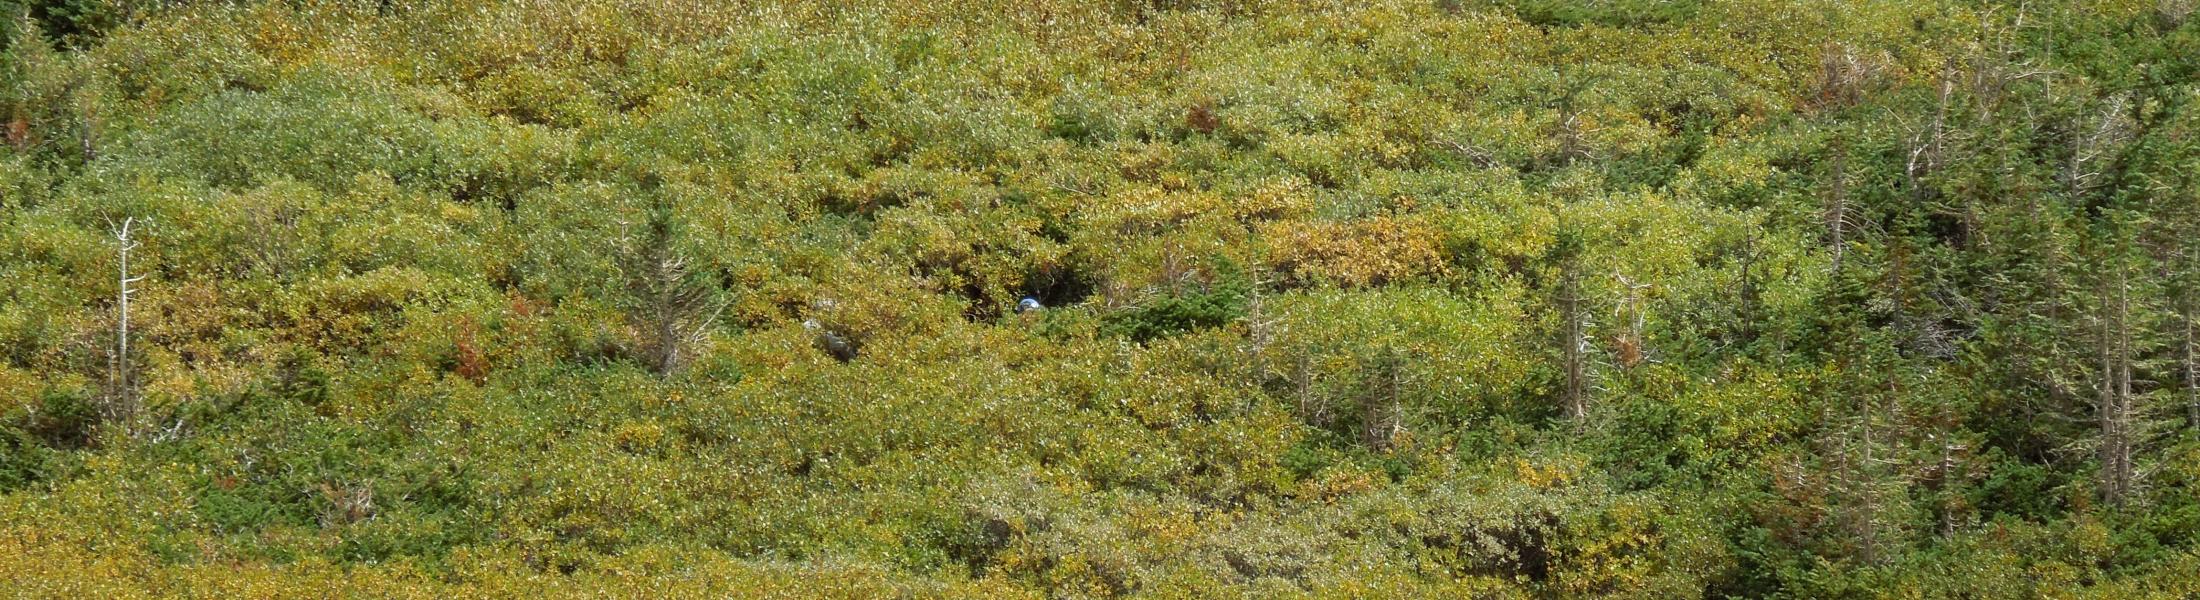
x=1450, y=298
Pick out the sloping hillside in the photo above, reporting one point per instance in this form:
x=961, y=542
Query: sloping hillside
x=1163, y=298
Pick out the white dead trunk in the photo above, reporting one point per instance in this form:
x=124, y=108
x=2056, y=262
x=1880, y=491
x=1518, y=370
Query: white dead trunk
x=120, y=376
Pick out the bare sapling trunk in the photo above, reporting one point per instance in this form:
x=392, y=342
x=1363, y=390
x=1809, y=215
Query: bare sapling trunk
x=1571, y=340
x=1630, y=345
x=1837, y=205
x=2192, y=370
x=1866, y=524
x=2192, y=351
x=1380, y=410
x=122, y=400
x=2114, y=406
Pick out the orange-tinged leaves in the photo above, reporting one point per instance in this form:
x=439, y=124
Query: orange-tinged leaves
x=1365, y=253
x=19, y=133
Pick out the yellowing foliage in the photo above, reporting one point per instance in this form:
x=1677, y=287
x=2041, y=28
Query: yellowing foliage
x=1371, y=252
x=1071, y=299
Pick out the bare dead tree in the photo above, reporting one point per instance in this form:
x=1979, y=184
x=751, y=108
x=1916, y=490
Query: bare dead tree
x=1837, y=204
x=1856, y=483
x=2081, y=172
x=87, y=135
x=2192, y=349
x=2172, y=13
x=1866, y=523
x=1480, y=157
x=1927, y=147
x=2192, y=372
x=1872, y=474
x=1844, y=75
x=677, y=304
x=1747, y=289
x=347, y=503
x=1572, y=342
x=1943, y=479
x=121, y=387
x=1631, y=311
x=1261, y=328
x=2114, y=406
x=1570, y=130
x=1313, y=408
x=1382, y=407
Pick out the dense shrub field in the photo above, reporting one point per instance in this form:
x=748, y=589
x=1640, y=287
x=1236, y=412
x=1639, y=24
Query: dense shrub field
x=1371, y=299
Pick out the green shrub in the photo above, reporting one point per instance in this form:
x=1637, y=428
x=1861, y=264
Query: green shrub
x=1216, y=304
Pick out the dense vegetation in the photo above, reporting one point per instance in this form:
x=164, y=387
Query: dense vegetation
x=1402, y=298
